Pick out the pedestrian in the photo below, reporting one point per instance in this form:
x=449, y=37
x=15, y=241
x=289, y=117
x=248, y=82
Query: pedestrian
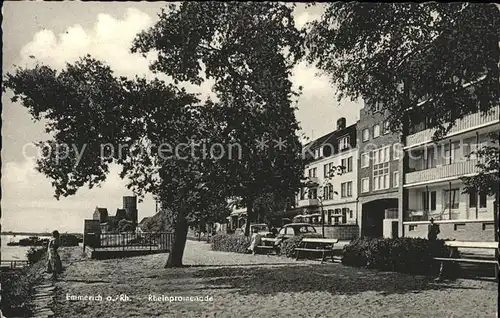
x=433, y=231
x=54, y=264
x=255, y=241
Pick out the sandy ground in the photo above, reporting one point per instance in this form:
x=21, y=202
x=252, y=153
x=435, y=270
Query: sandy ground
x=260, y=286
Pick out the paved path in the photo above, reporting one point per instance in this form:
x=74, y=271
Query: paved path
x=240, y=285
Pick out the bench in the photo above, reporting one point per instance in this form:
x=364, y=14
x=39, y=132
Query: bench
x=477, y=245
x=318, y=245
x=267, y=244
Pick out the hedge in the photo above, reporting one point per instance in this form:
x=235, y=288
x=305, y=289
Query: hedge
x=230, y=243
x=406, y=255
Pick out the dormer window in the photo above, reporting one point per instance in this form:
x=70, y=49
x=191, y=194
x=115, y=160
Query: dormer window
x=344, y=143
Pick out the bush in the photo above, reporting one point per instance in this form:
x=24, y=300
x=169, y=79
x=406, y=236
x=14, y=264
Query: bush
x=406, y=255
x=288, y=246
x=17, y=288
x=230, y=243
x=35, y=254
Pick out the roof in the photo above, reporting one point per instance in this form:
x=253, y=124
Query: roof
x=144, y=219
x=297, y=224
x=101, y=210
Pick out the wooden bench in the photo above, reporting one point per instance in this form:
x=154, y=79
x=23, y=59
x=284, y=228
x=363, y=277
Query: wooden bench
x=267, y=244
x=476, y=245
x=318, y=245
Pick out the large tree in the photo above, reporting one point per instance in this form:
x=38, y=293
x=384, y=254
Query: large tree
x=249, y=51
x=96, y=119
x=432, y=62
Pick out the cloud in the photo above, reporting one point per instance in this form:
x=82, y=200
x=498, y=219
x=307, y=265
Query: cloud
x=109, y=41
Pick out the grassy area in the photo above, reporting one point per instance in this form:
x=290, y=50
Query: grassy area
x=17, y=289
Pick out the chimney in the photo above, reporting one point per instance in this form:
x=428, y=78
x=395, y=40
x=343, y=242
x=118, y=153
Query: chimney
x=341, y=123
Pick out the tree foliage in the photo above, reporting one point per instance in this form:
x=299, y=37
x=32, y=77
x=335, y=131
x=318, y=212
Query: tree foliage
x=423, y=62
x=249, y=51
x=370, y=49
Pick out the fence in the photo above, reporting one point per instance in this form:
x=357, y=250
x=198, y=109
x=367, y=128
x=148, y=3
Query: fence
x=159, y=241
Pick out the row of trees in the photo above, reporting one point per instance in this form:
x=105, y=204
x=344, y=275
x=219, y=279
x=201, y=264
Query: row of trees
x=249, y=51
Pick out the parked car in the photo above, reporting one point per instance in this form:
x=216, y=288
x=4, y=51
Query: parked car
x=295, y=229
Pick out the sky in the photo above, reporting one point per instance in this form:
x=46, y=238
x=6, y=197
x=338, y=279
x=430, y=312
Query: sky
x=56, y=33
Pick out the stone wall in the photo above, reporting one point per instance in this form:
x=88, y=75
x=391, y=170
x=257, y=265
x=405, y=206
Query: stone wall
x=477, y=231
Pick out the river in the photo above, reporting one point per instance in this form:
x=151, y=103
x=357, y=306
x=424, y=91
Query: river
x=14, y=252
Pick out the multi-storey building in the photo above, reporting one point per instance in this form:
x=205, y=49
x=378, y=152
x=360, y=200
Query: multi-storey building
x=333, y=193
x=431, y=185
x=378, y=173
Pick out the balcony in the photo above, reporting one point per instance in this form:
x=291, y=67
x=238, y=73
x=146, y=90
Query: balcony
x=308, y=202
x=456, y=169
x=313, y=180
x=469, y=122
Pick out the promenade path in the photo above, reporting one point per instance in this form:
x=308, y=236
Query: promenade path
x=260, y=286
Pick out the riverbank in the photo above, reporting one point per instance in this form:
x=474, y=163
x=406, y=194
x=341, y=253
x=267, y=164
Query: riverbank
x=241, y=285
x=18, y=289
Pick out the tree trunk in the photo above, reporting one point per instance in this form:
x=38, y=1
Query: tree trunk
x=180, y=237
x=249, y=216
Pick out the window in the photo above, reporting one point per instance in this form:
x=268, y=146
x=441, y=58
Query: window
x=482, y=200
x=328, y=192
x=350, y=214
x=347, y=164
x=455, y=198
x=473, y=198
x=386, y=127
x=451, y=153
x=395, y=179
x=344, y=143
x=376, y=131
x=366, y=134
x=325, y=171
x=346, y=189
x=312, y=194
x=429, y=158
x=314, y=172
x=429, y=198
x=365, y=160
x=396, y=151
x=381, y=159
x=365, y=185
x=378, y=106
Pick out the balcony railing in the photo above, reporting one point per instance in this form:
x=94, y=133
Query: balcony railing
x=447, y=171
x=308, y=202
x=466, y=123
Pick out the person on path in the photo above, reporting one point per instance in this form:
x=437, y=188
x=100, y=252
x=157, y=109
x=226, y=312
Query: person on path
x=255, y=241
x=433, y=231
x=54, y=264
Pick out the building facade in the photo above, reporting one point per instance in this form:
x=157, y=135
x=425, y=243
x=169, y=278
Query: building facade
x=378, y=173
x=331, y=192
x=431, y=186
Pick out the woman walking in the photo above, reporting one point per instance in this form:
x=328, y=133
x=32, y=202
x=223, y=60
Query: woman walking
x=54, y=264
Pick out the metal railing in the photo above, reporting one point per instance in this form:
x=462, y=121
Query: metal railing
x=130, y=240
x=13, y=264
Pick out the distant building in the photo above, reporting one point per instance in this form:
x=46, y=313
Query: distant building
x=121, y=214
x=101, y=214
x=130, y=207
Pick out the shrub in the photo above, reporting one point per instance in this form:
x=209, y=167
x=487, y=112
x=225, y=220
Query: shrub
x=288, y=246
x=35, y=254
x=407, y=255
x=230, y=243
x=17, y=288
